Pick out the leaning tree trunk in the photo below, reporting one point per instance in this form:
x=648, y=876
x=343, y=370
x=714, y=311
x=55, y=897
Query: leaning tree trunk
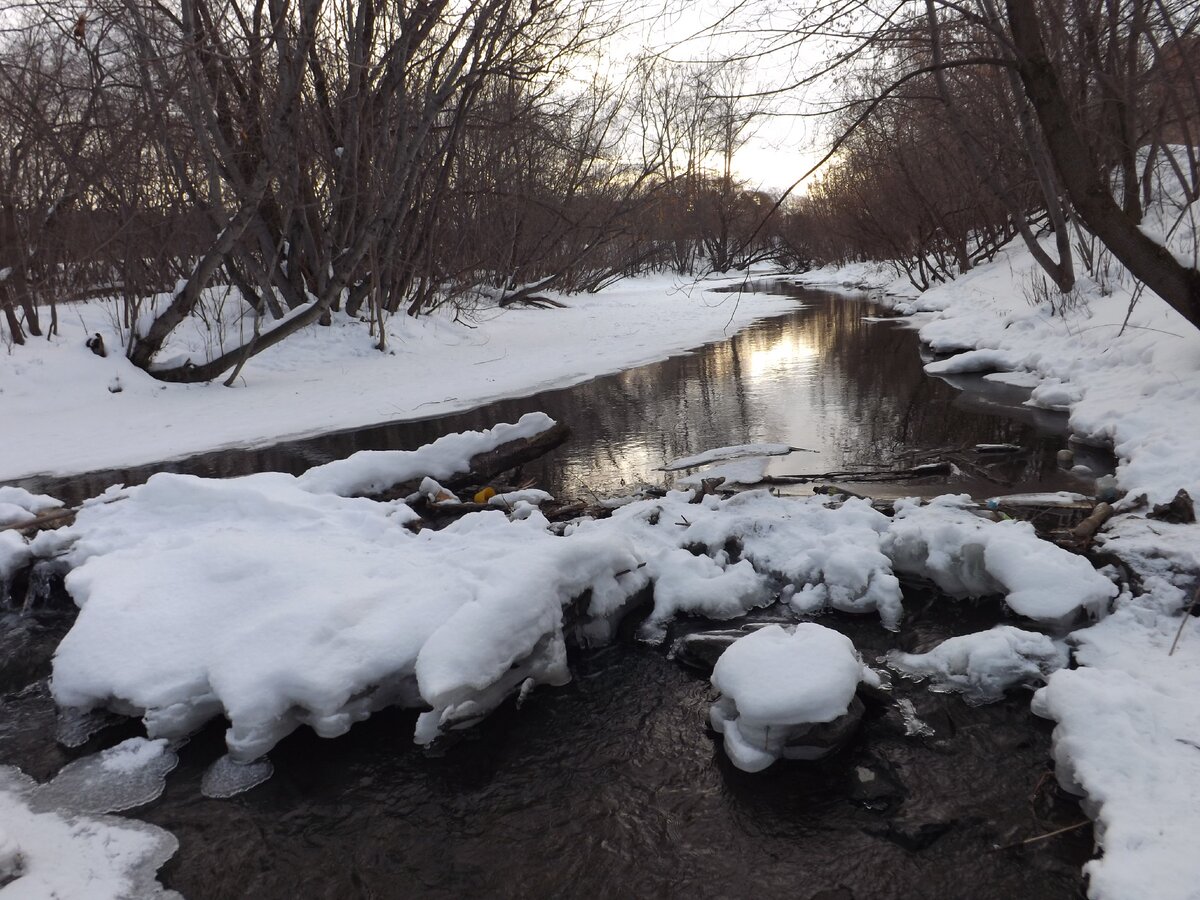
x=1147, y=260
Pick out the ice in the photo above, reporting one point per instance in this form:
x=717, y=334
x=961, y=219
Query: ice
x=720, y=454
x=777, y=684
x=67, y=854
x=914, y=726
x=227, y=777
x=75, y=727
x=968, y=556
x=131, y=774
x=982, y=666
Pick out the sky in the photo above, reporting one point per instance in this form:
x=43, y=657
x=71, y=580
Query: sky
x=785, y=145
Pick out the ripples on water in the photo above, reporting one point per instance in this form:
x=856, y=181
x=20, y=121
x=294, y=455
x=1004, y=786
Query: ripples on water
x=612, y=786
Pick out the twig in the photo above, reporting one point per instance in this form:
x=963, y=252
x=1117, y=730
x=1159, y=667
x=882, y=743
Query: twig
x=1187, y=614
x=1042, y=837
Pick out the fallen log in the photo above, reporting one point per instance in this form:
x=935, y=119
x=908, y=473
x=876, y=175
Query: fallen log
x=921, y=471
x=55, y=519
x=486, y=466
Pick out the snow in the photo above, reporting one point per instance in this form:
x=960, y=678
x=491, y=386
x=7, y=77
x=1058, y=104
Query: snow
x=984, y=665
x=720, y=454
x=1127, y=718
x=14, y=555
x=966, y=555
x=777, y=676
x=974, y=361
x=774, y=678
x=275, y=605
x=18, y=505
x=374, y=471
x=62, y=853
x=750, y=470
x=329, y=378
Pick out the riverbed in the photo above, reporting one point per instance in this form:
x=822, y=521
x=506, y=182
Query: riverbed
x=613, y=785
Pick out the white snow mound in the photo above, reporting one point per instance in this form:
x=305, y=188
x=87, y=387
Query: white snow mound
x=775, y=678
x=984, y=665
x=969, y=556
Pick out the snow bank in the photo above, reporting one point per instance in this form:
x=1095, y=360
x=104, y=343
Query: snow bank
x=59, y=853
x=776, y=684
x=968, y=556
x=327, y=378
x=974, y=361
x=985, y=664
x=1127, y=719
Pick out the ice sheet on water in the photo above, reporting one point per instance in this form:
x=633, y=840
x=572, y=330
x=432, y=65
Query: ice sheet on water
x=914, y=726
x=227, y=777
x=719, y=454
x=131, y=774
x=61, y=852
x=75, y=727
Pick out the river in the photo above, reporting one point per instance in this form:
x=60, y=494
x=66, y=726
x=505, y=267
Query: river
x=613, y=786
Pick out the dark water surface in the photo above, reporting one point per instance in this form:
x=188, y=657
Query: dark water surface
x=612, y=786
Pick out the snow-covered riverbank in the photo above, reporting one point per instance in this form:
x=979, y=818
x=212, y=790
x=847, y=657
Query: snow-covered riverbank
x=1128, y=718
x=61, y=414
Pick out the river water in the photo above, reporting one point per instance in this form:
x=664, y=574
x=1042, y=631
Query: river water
x=613, y=786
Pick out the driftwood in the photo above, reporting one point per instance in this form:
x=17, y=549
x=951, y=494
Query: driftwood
x=1086, y=530
x=510, y=455
x=56, y=519
x=921, y=471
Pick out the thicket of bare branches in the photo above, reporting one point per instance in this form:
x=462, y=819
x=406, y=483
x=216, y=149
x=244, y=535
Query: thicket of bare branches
x=962, y=124
x=368, y=156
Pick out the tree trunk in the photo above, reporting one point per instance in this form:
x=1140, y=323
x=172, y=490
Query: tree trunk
x=1146, y=260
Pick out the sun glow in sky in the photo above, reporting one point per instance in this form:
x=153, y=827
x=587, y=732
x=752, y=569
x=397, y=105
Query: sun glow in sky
x=784, y=144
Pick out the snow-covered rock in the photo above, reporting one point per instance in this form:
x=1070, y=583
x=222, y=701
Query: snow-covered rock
x=982, y=666
x=969, y=556
x=780, y=691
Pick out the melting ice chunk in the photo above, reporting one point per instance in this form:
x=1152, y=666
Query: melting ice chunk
x=225, y=777
x=131, y=774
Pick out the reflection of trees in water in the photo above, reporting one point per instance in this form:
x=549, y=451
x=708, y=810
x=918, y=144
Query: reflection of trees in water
x=859, y=385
